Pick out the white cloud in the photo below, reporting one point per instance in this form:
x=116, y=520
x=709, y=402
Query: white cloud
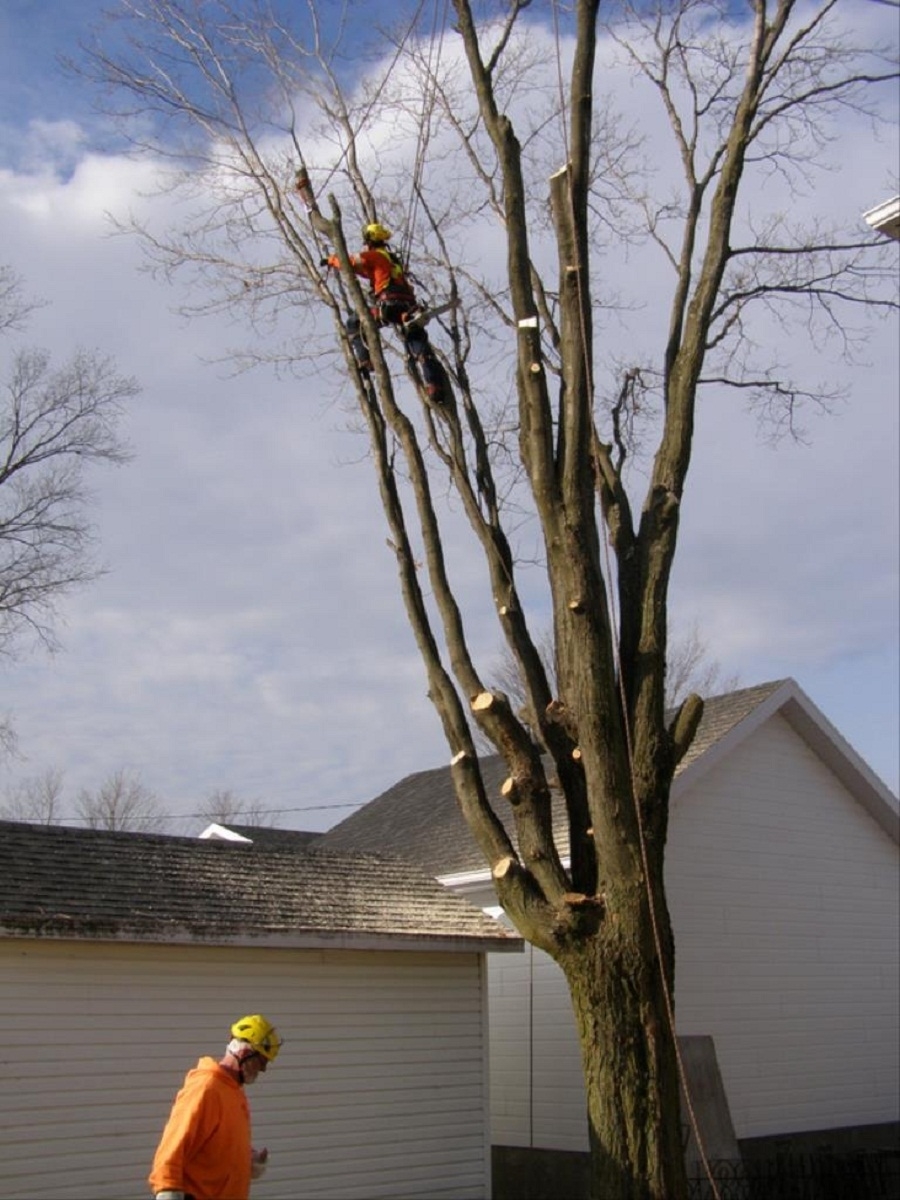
x=250, y=635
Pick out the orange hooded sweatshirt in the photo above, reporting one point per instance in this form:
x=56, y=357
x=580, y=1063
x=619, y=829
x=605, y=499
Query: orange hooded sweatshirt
x=205, y=1147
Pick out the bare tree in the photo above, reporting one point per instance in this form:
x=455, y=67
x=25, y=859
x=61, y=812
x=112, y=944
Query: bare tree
x=9, y=741
x=530, y=157
x=122, y=801
x=690, y=667
x=38, y=800
x=53, y=423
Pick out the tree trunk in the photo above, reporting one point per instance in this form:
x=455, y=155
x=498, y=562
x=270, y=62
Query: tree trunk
x=628, y=1052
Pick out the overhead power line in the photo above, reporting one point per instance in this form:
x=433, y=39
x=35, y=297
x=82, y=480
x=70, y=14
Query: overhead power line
x=235, y=816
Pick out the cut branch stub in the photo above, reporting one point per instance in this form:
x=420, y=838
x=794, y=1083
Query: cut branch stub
x=577, y=912
x=684, y=726
x=558, y=713
x=503, y=867
x=509, y=790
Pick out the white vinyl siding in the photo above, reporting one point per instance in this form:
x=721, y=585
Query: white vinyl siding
x=784, y=899
x=509, y=991
x=783, y=893
x=559, y=1110
x=537, y=1095
x=379, y=1091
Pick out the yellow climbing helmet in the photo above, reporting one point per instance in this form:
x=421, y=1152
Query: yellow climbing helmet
x=260, y=1034
x=375, y=232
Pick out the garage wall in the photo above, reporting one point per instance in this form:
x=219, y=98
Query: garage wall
x=784, y=897
x=380, y=1090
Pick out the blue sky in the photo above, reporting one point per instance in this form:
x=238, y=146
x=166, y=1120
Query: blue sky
x=249, y=634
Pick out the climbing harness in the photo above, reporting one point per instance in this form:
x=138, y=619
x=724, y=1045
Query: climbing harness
x=394, y=305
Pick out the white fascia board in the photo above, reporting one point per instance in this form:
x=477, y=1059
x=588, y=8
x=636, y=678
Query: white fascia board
x=885, y=218
x=839, y=756
x=466, y=881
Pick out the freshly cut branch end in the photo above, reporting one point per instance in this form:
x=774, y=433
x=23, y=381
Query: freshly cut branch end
x=503, y=867
x=510, y=791
x=483, y=701
x=458, y=758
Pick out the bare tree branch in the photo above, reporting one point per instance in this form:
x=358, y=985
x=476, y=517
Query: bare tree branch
x=54, y=422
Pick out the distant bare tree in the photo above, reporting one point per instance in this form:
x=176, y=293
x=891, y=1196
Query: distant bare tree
x=15, y=307
x=690, y=668
x=8, y=738
x=121, y=802
x=53, y=422
x=37, y=800
x=224, y=806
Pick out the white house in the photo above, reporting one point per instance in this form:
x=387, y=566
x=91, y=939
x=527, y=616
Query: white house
x=782, y=880
x=124, y=958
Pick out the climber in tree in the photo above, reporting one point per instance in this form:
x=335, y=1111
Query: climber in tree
x=393, y=302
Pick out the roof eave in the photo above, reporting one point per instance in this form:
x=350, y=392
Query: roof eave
x=289, y=940
x=885, y=218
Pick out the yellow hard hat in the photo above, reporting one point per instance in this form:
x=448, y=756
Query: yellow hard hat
x=376, y=232
x=260, y=1034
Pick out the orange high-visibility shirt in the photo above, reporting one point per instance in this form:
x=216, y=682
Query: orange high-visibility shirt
x=205, y=1147
x=375, y=265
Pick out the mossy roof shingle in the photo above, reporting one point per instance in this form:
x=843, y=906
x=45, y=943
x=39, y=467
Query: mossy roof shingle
x=58, y=881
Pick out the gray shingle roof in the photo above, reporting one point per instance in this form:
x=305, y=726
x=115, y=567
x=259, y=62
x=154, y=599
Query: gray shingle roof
x=418, y=819
x=63, y=882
